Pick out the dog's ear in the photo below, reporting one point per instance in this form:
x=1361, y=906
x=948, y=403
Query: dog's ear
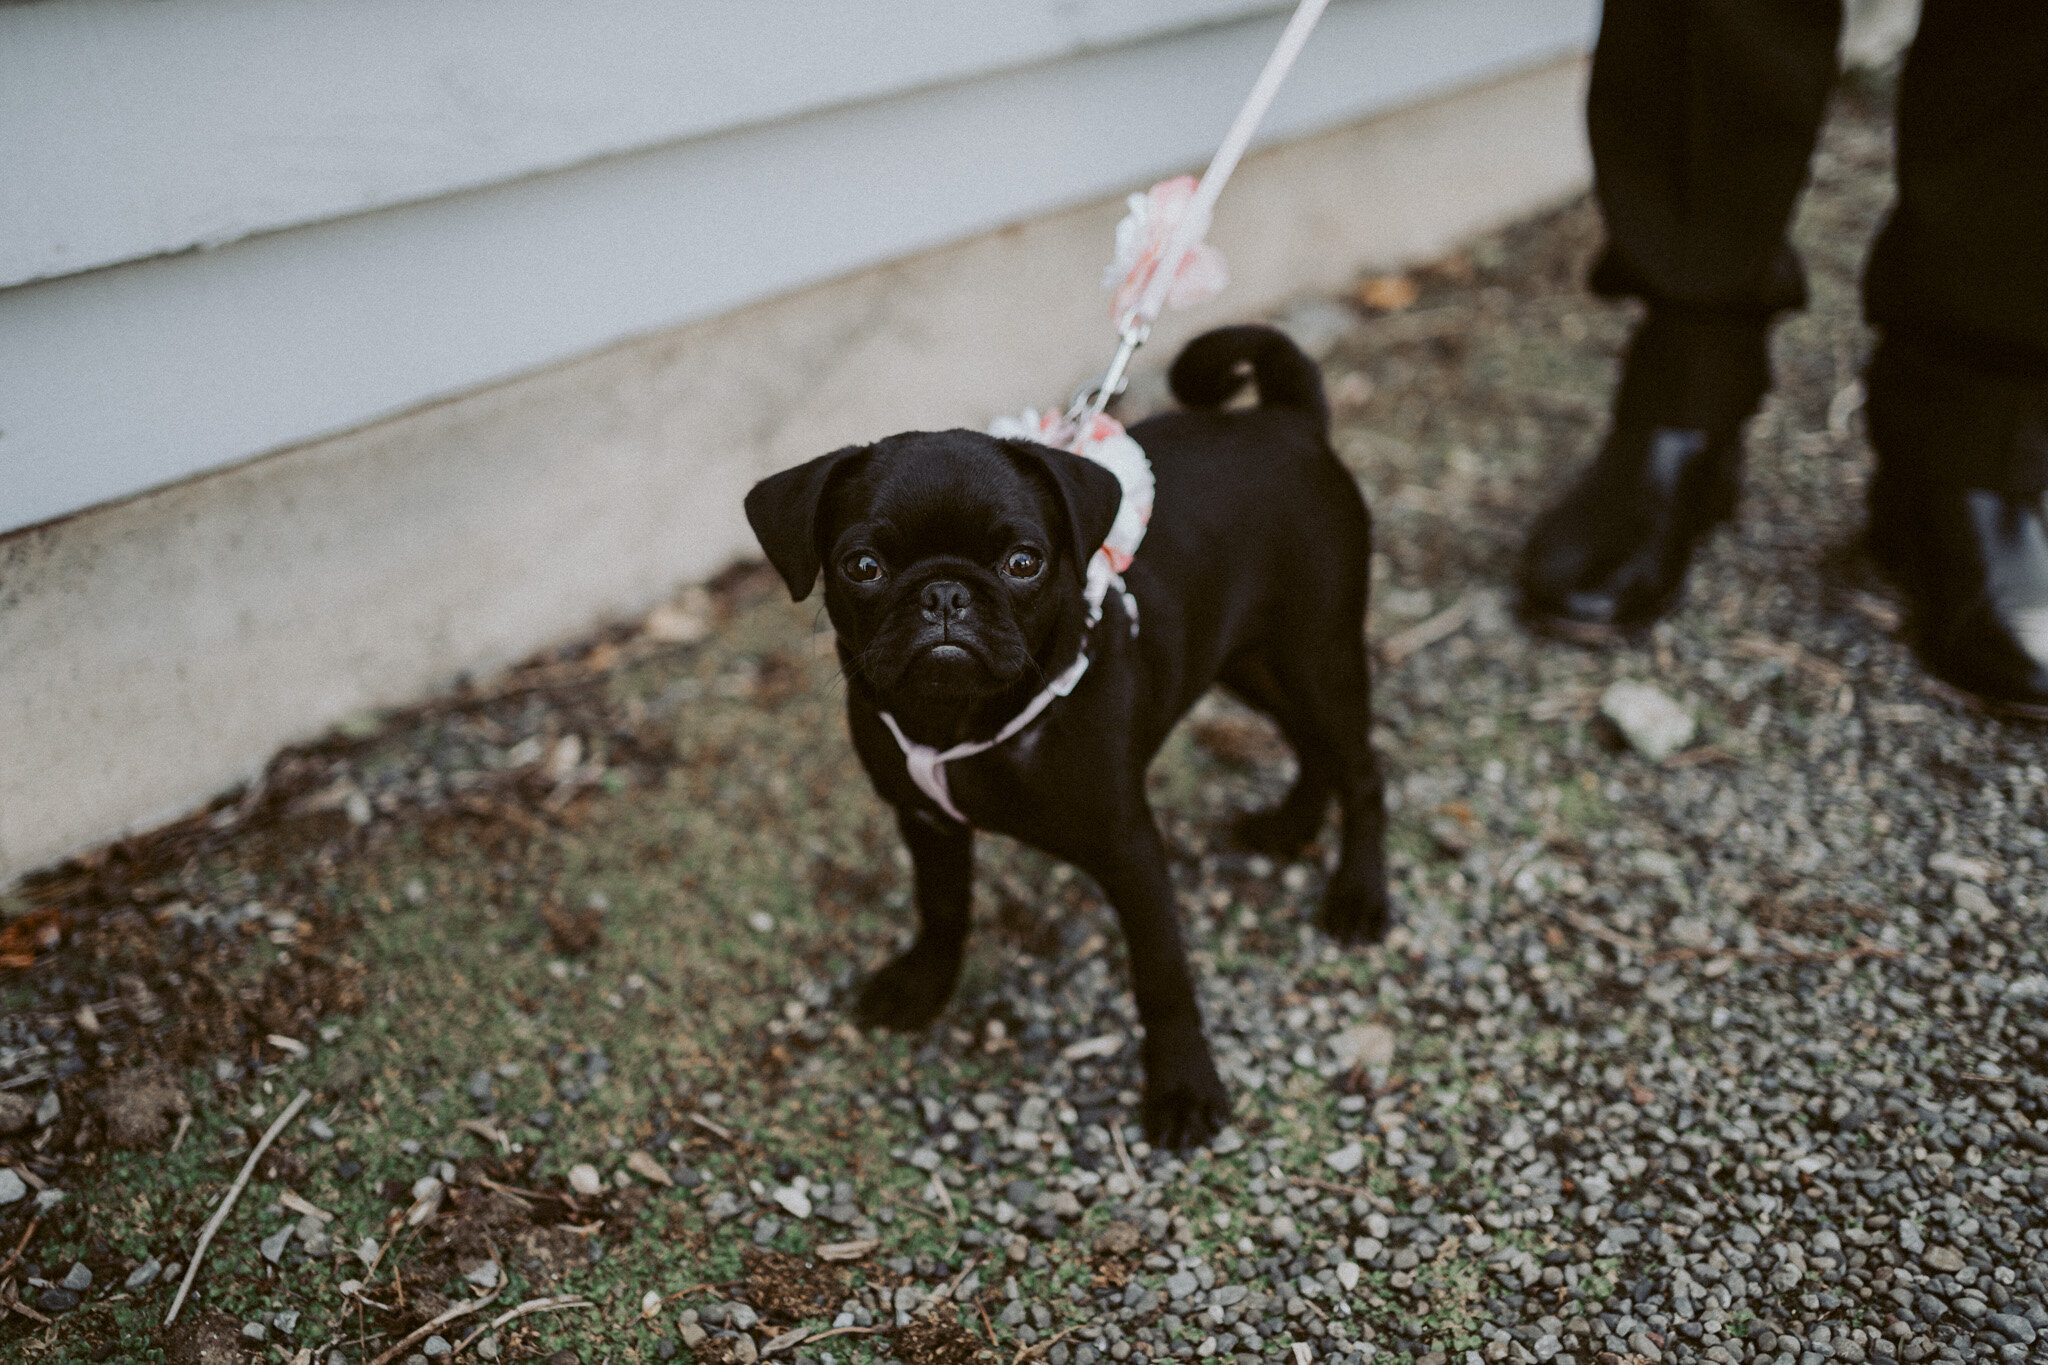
x=1090, y=494
x=783, y=510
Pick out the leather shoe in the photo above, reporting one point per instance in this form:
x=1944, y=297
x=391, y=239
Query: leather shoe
x=1973, y=564
x=1612, y=554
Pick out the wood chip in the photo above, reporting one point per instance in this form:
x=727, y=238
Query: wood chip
x=1108, y=1045
x=648, y=1169
x=848, y=1251
x=489, y=1133
x=1425, y=633
x=299, y=1205
x=1565, y=704
x=291, y=1047
x=717, y=1130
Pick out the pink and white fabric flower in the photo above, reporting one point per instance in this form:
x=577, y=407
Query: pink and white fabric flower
x=1141, y=240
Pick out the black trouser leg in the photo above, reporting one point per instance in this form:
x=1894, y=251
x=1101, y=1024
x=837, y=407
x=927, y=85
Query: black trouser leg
x=1702, y=115
x=1958, y=280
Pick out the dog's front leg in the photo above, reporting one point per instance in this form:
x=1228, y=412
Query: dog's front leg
x=1185, y=1103
x=914, y=986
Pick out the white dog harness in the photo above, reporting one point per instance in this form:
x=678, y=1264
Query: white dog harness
x=1104, y=441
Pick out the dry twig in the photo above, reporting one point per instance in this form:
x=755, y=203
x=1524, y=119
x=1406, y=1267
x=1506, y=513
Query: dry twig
x=428, y=1328
x=1123, y=1155
x=1025, y=1352
x=220, y=1215
x=540, y=1305
x=20, y=1246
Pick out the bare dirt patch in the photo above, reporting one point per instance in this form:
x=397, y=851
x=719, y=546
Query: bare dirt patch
x=939, y=1339
x=141, y=1108
x=787, y=1289
x=207, y=1338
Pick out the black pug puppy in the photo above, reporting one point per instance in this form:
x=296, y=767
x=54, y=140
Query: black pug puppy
x=954, y=566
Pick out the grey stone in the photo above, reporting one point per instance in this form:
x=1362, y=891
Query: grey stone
x=1346, y=1159
x=2013, y=1326
x=1942, y=1260
x=273, y=1246
x=1654, y=725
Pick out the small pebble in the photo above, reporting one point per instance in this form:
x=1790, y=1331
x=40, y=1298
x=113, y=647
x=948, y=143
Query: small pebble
x=273, y=1246
x=1654, y=725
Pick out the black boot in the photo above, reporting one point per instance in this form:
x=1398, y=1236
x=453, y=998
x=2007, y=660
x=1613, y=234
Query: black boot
x=1959, y=520
x=1612, y=555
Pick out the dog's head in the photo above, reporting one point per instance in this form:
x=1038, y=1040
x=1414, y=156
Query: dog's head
x=951, y=558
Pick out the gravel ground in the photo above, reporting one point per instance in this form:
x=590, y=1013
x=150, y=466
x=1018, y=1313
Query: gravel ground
x=1740, y=1054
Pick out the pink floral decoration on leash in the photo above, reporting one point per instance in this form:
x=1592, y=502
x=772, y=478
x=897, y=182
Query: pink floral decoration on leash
x=1142, y=238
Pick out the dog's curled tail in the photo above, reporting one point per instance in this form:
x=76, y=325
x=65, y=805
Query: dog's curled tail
x=1210, y=371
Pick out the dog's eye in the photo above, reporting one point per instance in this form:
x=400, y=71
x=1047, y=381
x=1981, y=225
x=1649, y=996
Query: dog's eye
x=862, y=568
x=1023, y=564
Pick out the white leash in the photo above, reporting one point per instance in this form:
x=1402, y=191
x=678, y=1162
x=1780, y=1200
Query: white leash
x=1194, y=223
x=1088, y=433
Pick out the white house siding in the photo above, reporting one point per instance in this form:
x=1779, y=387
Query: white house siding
x=421, y=199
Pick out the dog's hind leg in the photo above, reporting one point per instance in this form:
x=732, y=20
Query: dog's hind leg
x=1286, y=829
x=1330, y=690
x=914, y=986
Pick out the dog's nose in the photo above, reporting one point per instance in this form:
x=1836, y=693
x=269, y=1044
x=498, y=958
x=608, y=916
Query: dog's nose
x=943, y=601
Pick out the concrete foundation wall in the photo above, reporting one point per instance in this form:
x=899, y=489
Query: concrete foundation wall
x=155, y=652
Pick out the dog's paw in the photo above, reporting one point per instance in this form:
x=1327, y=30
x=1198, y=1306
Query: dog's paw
x=1354, y=910
x=907, y=993
x=1278, y=833
x=1185, y=1103
x=1183, y=1116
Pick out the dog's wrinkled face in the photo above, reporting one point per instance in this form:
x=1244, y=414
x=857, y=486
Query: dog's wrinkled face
x=950, y=558
x=942, y=567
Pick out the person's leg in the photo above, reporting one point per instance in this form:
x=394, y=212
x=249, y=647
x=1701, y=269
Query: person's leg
x=1958, y=410
x=1702, y=115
